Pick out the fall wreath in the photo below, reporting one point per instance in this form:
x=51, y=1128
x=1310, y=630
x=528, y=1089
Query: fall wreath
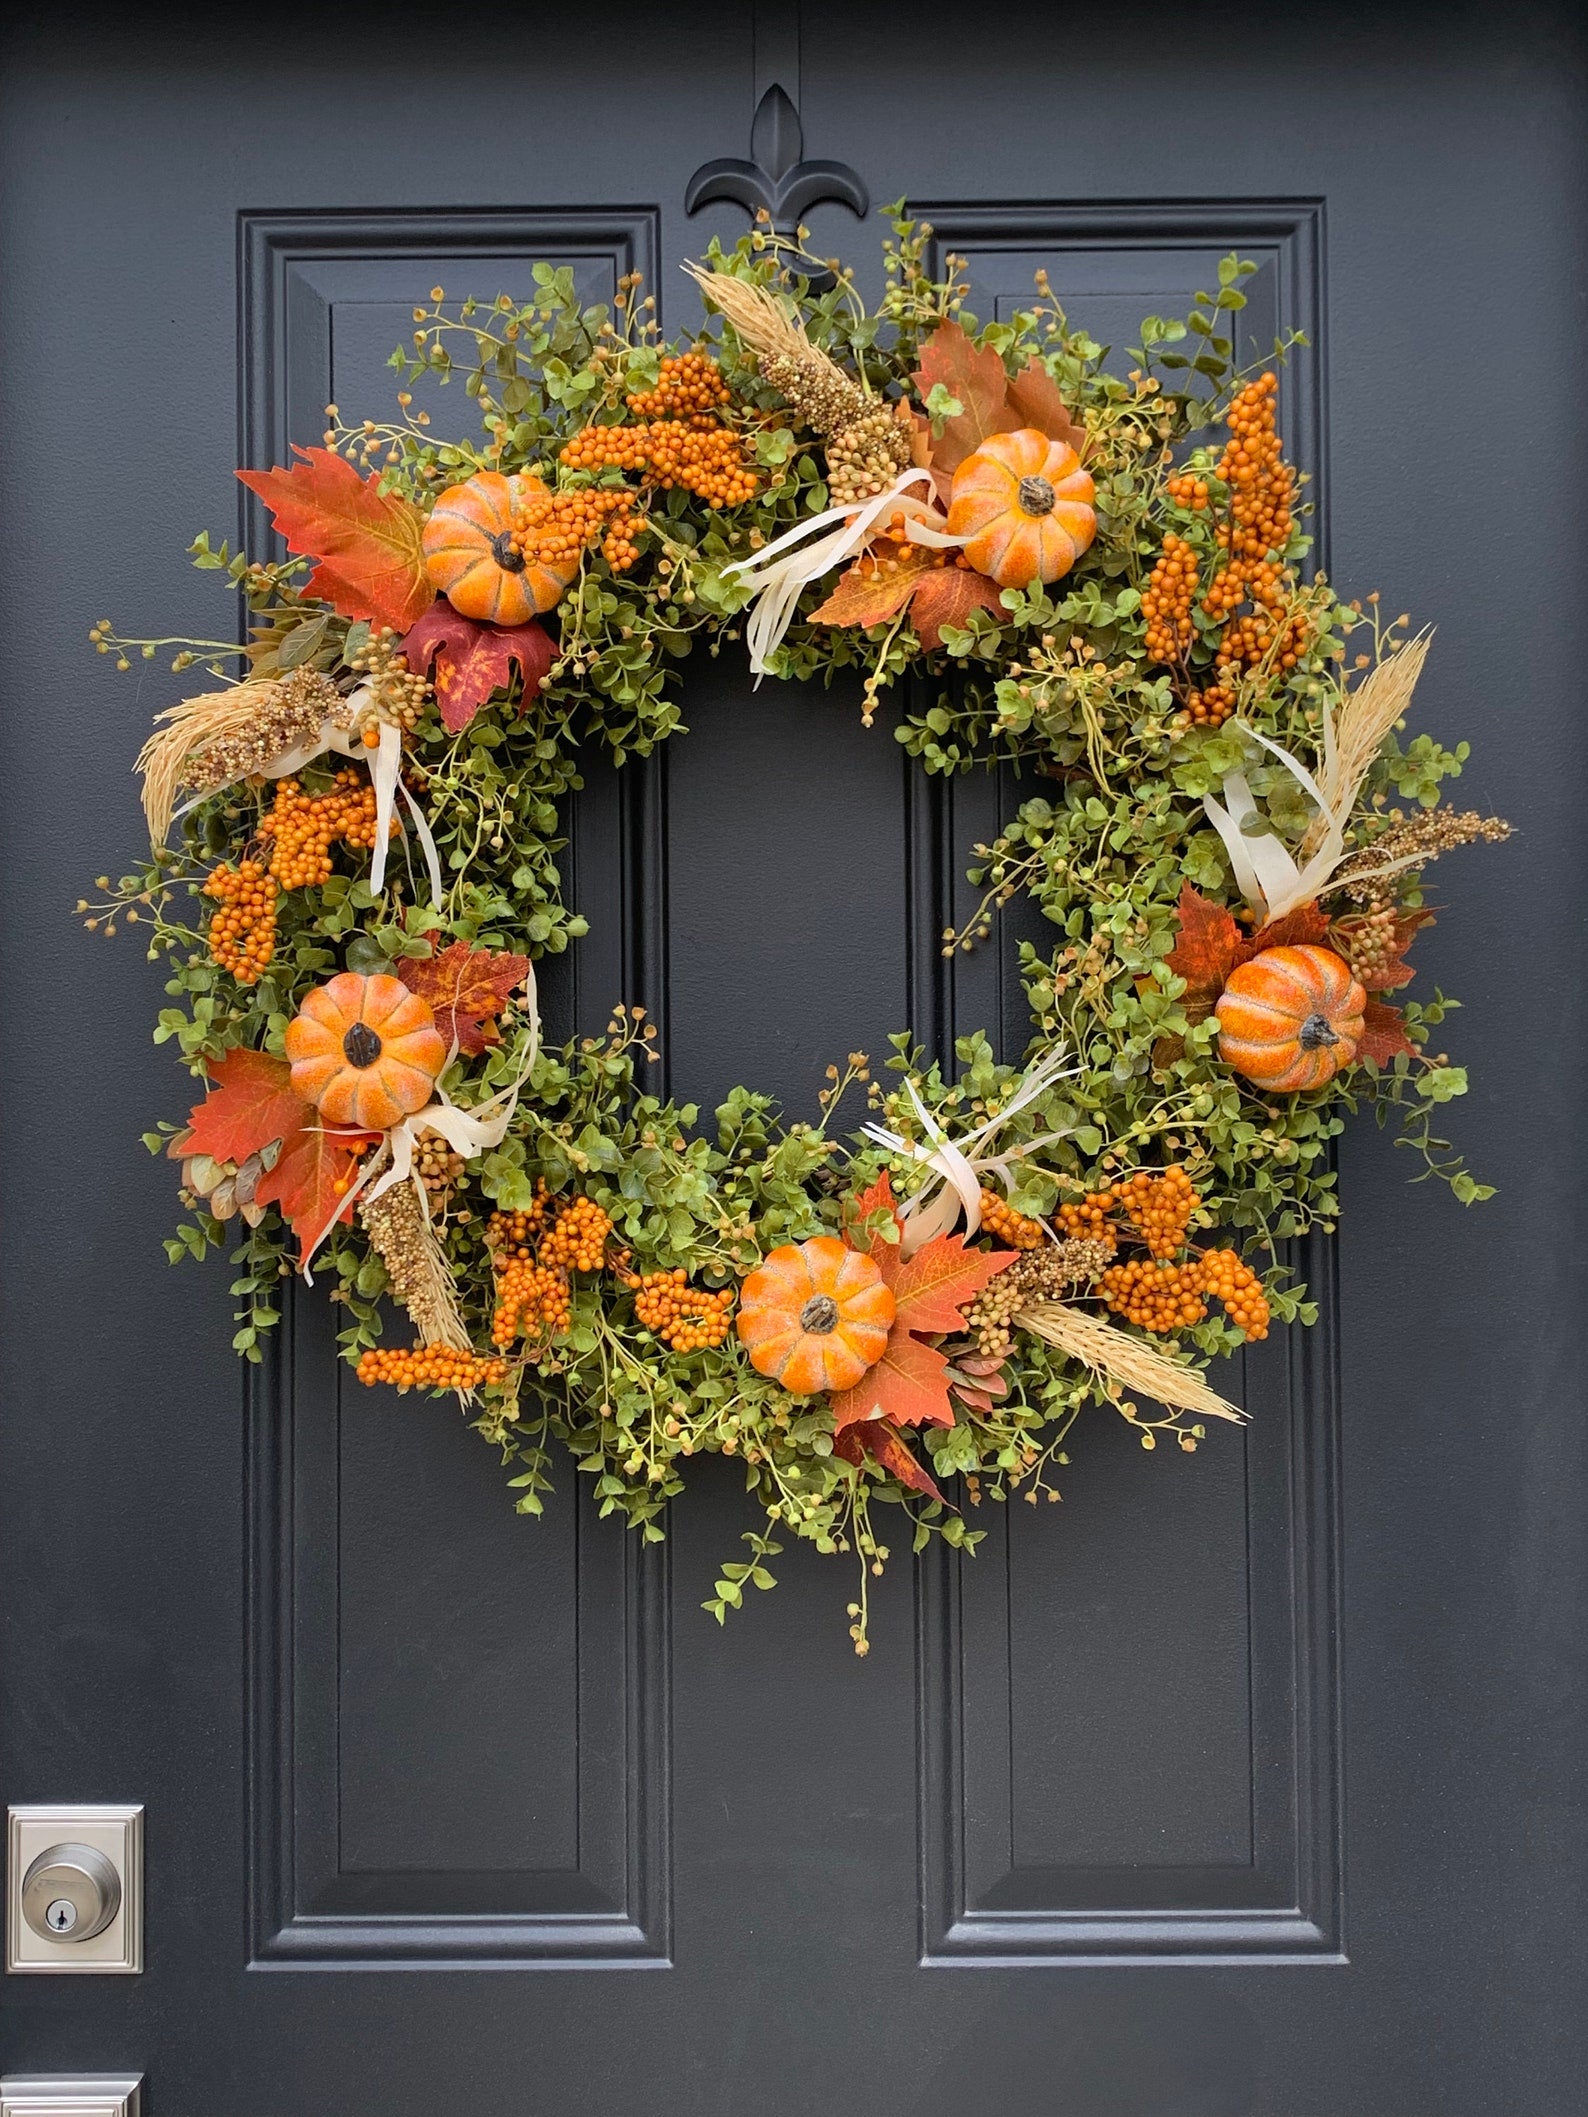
x=1099, y=569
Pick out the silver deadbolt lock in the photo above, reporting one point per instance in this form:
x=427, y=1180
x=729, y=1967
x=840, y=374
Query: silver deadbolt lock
x=70, y=1892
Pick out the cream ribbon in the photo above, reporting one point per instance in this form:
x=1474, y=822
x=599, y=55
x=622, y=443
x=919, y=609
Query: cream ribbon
x=782, y=570
x=955, y=1184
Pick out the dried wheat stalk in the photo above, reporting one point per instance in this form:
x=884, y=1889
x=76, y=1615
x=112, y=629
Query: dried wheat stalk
x=207, y=742
x=1112, y=1352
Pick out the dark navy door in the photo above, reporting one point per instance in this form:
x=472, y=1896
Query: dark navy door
x=1244, y=1785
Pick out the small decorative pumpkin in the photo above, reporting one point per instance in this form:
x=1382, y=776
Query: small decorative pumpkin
x=365, y=1051
x=1291, y=1018
x=815, y=1315
x=470, y=554
x=1023, y=506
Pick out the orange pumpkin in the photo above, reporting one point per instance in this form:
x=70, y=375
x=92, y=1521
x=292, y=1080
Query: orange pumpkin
x=1023, y=506
x=365, y=1051
x=815, y=1315
x=470, y=554
x=1291, y=1018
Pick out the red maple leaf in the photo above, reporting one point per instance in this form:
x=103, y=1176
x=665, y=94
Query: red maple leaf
x=1206, y=951
x=311, y=1179
x=886, y=1447
x=976, y=378
x=472, y=660
x=369, y=544
x=252, y=1105
x=1384, y=1034
x=467, y=989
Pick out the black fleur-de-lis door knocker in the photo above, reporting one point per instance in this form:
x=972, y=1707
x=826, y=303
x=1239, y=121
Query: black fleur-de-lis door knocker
x=776, y=180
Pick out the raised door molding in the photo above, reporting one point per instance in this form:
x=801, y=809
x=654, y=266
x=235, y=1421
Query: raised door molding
x=1058, y=1820
x=526, y=1820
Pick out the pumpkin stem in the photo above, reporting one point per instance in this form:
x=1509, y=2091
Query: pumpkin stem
x=1036, y=496
x=361, y=1046
x=1315, y=1033
x=820, y=1315
x=506, y=557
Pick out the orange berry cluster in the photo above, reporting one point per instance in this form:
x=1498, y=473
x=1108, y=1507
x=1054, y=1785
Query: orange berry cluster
x=1156, y=1207
x=532, y=1254
x=242, y=934
x=1210, y=708
x=429, y=1367
x=304, y=827
x=1002, y=1222
x=1155, y=1295
x=577, y=1239
x=1166, y=603
x=690, y=387
x=1164, y=1297
x=686, y=1318
x=1186, y=489
x=552, y=529
x=1262, y=488
x=707, y=460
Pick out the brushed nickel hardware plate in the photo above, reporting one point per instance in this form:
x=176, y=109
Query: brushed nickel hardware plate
x=74, y=1890
x=70, y=2094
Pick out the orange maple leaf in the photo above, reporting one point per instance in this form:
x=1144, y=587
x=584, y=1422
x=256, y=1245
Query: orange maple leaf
x=1035, y=396
x=866, y=595
x=933, y=1286
x=1207, y=950
x=976, y=378
x=467, y=989
x=251, y=1106
x=1305, y=927
x=369, y=545
x=311, y=1179
x=908, y=1385
x=947, y=596
x=472, y=660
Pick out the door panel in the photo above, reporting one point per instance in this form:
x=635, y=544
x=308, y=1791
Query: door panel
x=1247, y=1783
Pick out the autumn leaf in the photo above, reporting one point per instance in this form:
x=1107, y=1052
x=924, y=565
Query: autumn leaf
x=909, y=1385
x=866, y=595
x=467, y=989
x=472, y=660
x=311, y=1179
x=946, y=596
x=1305, y=927
x=251, y=1106
x=886, y=1447
x=1207, y=950
x=369, y=545
x=866, y=1205
x=935, y=1284
x=1384, y=1034
x=1034, y=396
x=976, y=379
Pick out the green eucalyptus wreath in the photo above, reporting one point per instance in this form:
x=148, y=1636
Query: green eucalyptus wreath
x=1219, y=743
